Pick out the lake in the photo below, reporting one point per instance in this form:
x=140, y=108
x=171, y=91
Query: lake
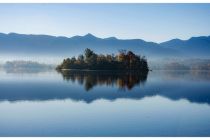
x=97, y=103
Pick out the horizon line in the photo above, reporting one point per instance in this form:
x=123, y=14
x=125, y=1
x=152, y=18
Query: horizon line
x=101, y=37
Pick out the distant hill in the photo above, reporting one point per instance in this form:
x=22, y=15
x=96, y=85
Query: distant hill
x=192, y=46
x=65, y=46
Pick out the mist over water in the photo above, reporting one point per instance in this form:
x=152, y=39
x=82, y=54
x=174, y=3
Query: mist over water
x=46, y=59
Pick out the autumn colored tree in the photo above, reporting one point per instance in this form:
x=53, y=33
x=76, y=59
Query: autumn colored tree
x=125, y=60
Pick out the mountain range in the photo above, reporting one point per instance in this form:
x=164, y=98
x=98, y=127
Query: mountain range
x=197, y=47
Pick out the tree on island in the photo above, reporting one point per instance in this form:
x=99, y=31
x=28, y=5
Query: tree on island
x=125, y=60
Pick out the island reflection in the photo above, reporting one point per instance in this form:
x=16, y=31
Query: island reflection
x=124, y=80
x=174, y=85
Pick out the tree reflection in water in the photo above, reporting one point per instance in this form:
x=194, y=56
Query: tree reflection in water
x=125, y=80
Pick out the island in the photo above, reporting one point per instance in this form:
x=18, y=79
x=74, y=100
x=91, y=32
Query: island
x=124, y=60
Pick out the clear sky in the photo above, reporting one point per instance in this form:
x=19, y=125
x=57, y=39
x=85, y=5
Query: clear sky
x=151, y=22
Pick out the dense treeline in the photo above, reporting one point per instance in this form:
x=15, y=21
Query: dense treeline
x=125, y=60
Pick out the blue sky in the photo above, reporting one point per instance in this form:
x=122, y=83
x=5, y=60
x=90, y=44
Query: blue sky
x=151, y=22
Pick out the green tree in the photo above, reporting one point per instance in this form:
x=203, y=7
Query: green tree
x=80, y=59
x=88, y=53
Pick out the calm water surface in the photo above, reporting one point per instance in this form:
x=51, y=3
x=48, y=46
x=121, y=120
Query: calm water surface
x=76, y=103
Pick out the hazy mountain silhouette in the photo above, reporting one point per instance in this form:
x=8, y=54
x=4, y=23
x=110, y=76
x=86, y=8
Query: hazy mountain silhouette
x=192, y=46
x=45, y=44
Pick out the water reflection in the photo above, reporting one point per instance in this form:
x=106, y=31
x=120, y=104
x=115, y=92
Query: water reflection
x=90, y=86
x=29, y=71
x=76, y=111
x=122, y=79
